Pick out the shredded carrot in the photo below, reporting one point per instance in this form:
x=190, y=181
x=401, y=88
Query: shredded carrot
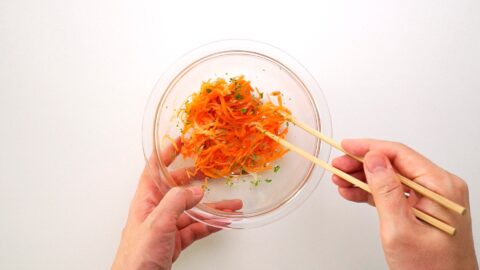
x=189, y=174
x=172, y=141
x=279, y=97
x=205, y=184
x=219, y=128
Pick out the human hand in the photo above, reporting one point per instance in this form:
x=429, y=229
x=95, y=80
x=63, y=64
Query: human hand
x=407, y=242
x=157, y=230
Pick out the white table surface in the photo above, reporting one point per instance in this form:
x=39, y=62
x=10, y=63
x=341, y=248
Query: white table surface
x=75, y=77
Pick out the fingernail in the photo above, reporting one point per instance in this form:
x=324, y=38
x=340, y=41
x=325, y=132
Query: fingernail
x=196, y=191
x=375, y=162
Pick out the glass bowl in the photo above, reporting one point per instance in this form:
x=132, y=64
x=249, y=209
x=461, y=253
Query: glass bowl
x=269, y=69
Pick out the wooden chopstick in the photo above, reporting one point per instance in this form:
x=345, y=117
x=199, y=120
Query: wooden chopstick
x=419, y=214
x=407, y=182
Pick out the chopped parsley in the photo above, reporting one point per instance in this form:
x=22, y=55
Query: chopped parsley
x=243, y=110
x=268, y=180
x=238, y=96
x=209, y=90
x=276, y=168
x=256, y=182
x=205, y=187
x=261, y=94
x=229, y=181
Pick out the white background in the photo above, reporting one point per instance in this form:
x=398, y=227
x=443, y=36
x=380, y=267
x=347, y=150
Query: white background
x=75, y=77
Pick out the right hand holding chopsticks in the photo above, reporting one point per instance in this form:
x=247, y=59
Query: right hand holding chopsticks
x=409, y=243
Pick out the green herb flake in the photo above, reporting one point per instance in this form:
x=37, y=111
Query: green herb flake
x=205, y=188
x=256, y=182
x=287, y=124
x=237, y=86
x=268, y=180
x=261, y=95
x=243, y=110
x=244, y=172
x=229, y=181
x=238, y=96
x=209, y=90
x=276, y=168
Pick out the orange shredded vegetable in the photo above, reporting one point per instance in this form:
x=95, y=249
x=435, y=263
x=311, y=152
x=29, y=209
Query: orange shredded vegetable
x=219, y=128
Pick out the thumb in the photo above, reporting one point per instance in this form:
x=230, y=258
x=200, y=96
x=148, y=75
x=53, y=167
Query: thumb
x=178, y=200
x=387, y=191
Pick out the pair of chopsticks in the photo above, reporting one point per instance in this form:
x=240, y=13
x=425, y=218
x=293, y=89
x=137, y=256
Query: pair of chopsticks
x=407, y=182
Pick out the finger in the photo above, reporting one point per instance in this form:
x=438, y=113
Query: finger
x=343, y=183
x=147, y=183
x=151, y=171
x=194, y=232
x=434, y=209
x=340, y=182
x=388, y=195
x=408, y=162
x=169, y=153
x=413, y=198
x=355, y=194
x=184, y=176
x=148, y=194
x=148, y=190
x=183, y=221
x=225, y=205
x=347, y=164
x=176, y=201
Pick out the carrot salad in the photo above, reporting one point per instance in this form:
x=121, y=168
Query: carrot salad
x=219, y=128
